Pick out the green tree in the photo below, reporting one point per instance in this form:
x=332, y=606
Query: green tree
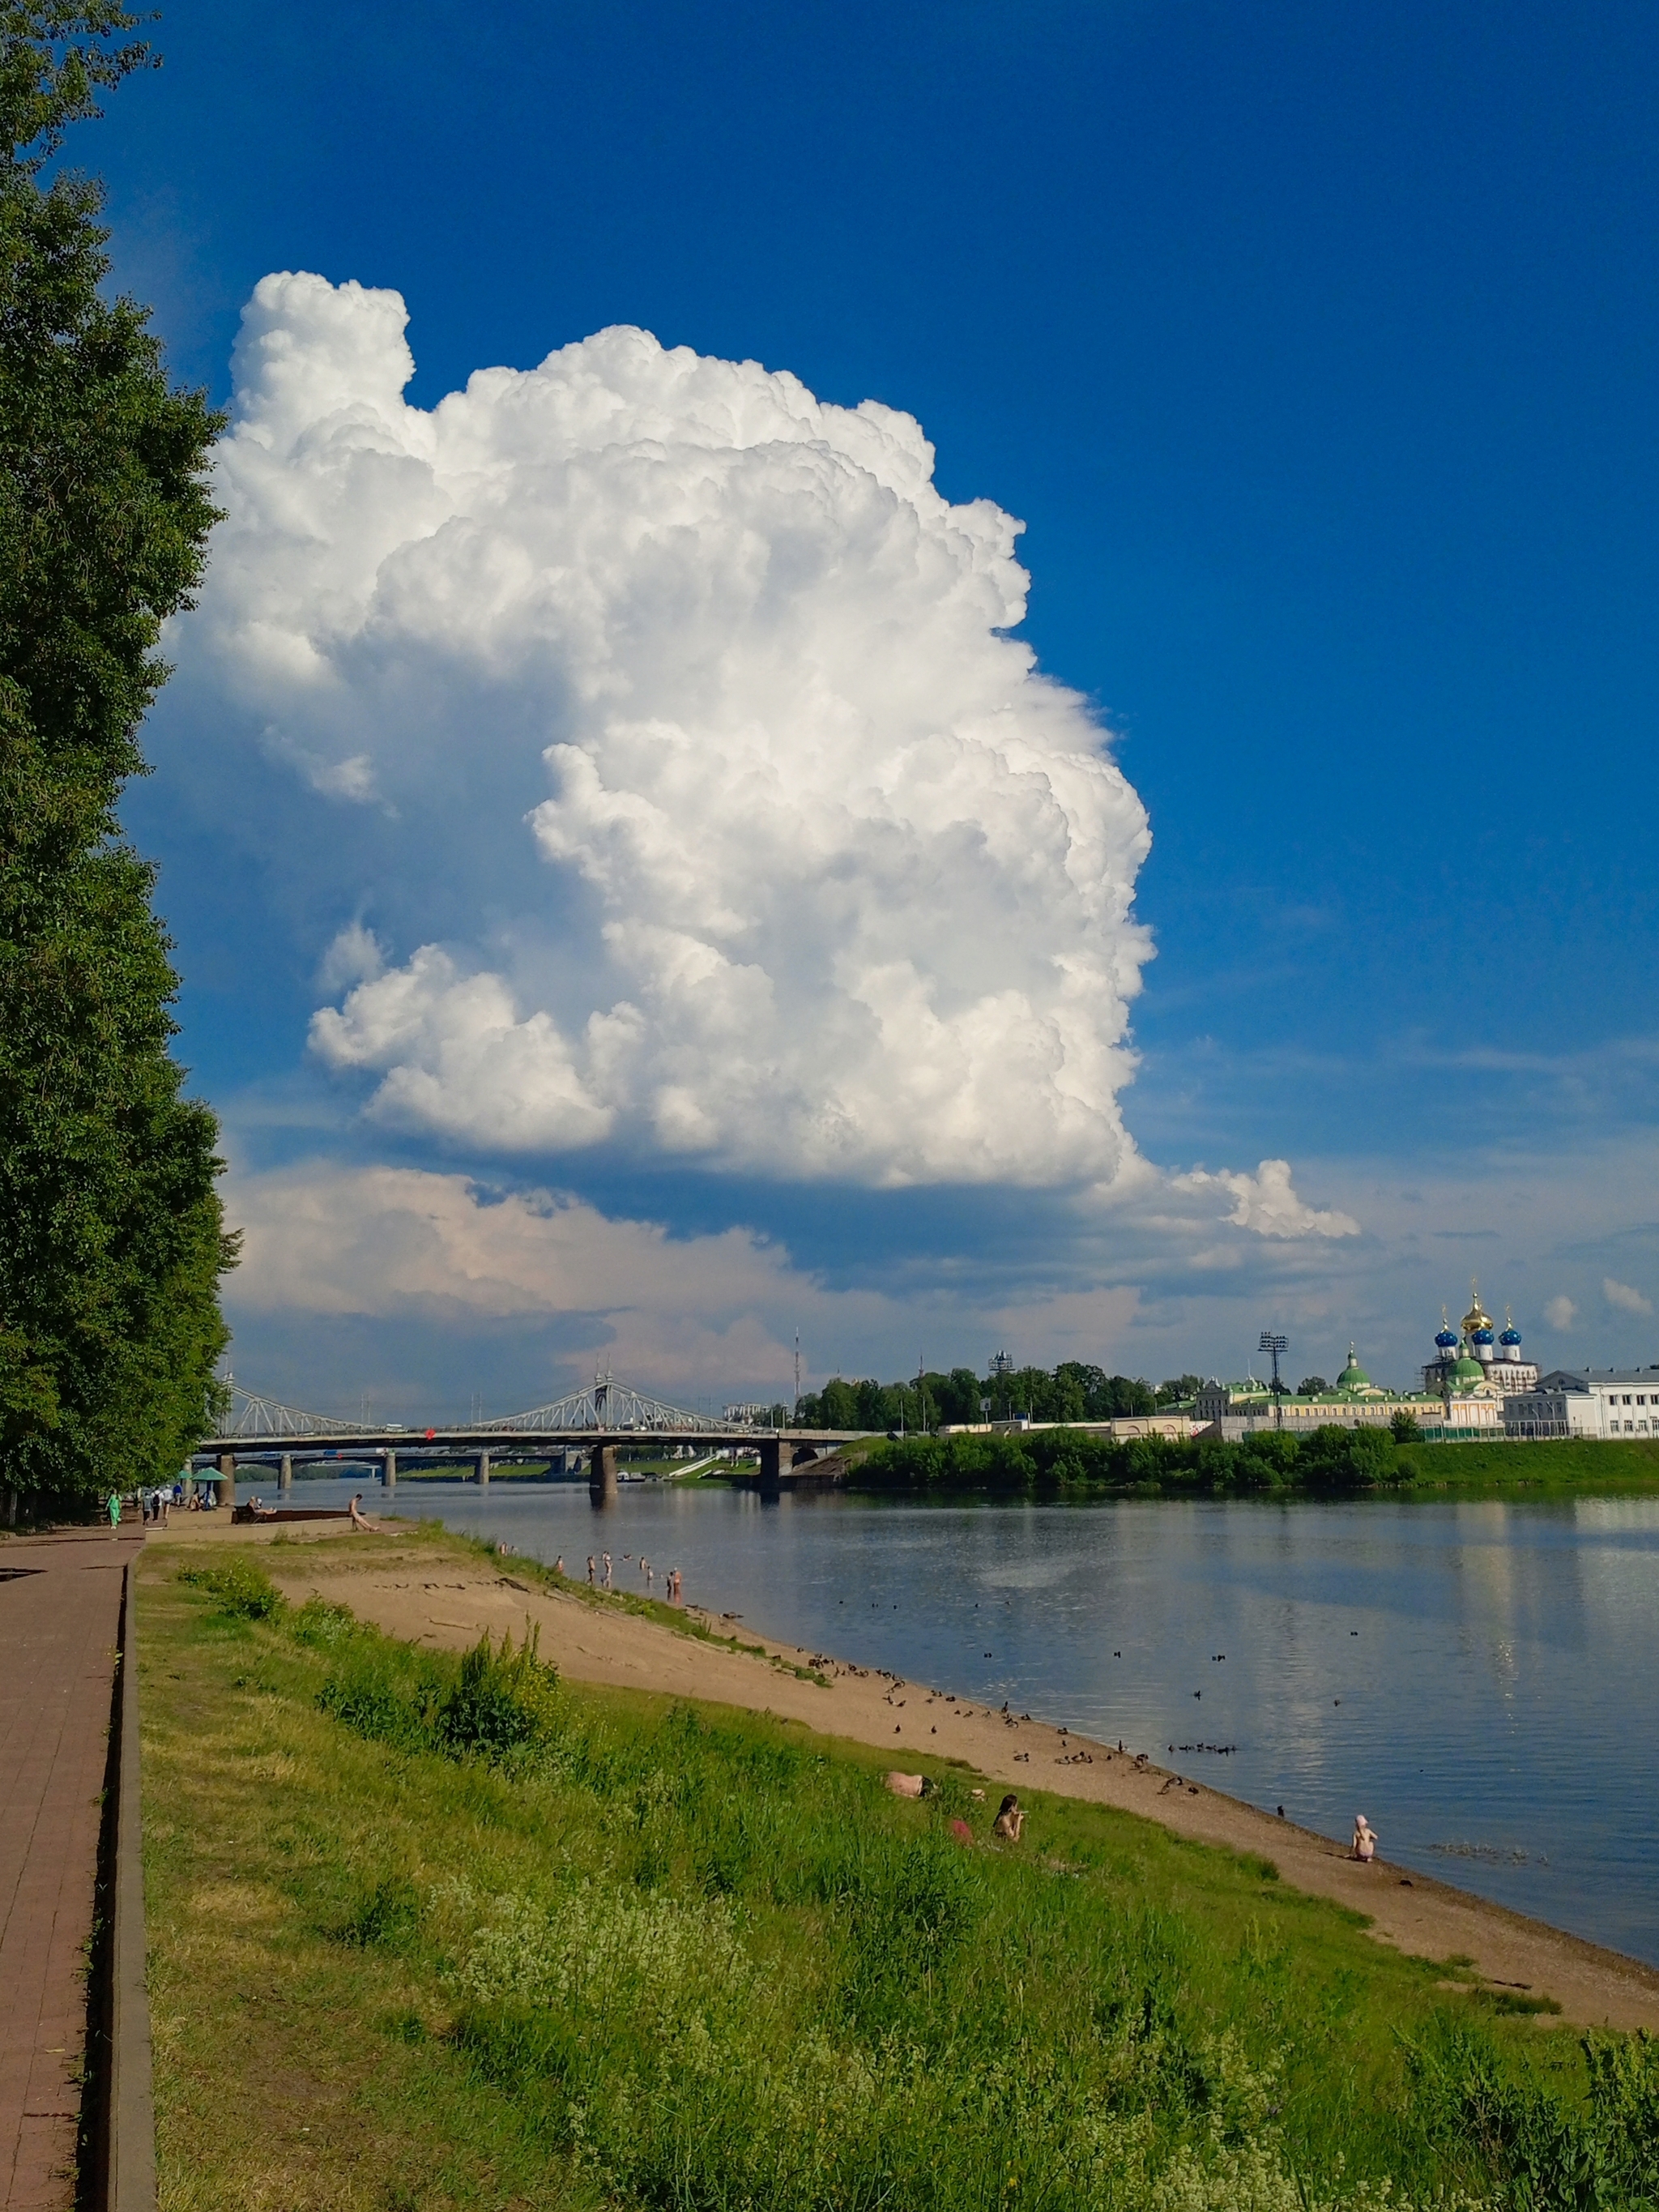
x=111, y=1241
x=956, y=1397
x=1405, y=1425
x=1179, y=1388
x=1337, y=1458
x=1310, y=1386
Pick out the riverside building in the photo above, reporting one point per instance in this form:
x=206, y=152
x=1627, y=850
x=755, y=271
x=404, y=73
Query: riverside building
x=1610, y=1401
x=1480, y=1383
x=1466, y=1407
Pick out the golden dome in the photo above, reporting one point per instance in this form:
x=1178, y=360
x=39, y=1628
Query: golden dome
x=1477, y=1316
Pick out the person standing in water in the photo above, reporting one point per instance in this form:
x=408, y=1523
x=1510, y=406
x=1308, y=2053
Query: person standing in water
x=590, y=1570
x=606, y=1555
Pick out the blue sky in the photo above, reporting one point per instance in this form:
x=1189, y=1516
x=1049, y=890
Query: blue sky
x=1314, y=349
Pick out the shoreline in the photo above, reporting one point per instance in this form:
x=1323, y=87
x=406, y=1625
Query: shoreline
x=400, y=1582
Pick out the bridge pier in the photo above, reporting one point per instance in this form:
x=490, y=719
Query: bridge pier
x=602, y=1475
x=285, y=1472
x=483, y=1470
x=227, y=1478
x=389, y=1473
x=771, y=1465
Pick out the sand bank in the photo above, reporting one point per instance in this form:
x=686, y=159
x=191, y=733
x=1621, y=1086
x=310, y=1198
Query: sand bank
x=444, y=1600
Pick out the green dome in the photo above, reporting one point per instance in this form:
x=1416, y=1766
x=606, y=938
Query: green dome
x=1353, y=1376
x=1468, y=1370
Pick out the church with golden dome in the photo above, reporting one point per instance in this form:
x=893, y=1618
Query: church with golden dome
x=1477, y=1359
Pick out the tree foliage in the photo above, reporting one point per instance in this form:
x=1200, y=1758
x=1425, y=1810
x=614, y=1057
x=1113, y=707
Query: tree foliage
x=1055, y=1463
x=111, y=1235
x=1075, y=1391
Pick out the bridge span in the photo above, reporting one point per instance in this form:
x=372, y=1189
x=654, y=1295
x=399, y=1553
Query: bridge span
x=594, y=1424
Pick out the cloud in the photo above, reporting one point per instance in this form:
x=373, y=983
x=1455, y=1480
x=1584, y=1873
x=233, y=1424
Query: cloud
x=1560, y=1313
x=1267, y=1203
x=332, y=1241
x=335, y=1243
x=758, y=842
x=1624, y=1297
x=355, y=957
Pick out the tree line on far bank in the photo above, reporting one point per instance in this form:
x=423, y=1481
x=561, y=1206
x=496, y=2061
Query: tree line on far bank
x=111, y=1241
x=1074, y=1391
x=1057, y=1462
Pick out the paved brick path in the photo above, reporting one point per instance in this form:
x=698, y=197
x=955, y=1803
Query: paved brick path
x=60, y=1605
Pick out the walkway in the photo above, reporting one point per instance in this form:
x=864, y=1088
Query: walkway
x=60, y=1606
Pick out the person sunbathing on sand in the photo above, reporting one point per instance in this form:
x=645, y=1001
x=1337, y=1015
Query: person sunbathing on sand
x=1009, y=1820
x=1364, y=1839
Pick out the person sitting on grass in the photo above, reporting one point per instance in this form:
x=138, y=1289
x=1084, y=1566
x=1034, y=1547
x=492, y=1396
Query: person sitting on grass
x=1009, y=1820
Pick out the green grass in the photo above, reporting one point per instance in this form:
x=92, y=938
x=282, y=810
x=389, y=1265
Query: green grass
x=1568, y=1464
x=430, y=1932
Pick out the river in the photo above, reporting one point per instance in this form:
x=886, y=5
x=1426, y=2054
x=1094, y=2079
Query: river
x=1480, y=1678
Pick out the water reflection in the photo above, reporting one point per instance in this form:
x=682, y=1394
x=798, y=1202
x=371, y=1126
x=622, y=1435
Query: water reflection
x=1479, y=1678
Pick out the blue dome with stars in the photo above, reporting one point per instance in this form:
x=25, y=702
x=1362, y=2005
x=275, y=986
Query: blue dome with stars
x=1447, y=1340
x=1511, y=1335
x=1483, y=1336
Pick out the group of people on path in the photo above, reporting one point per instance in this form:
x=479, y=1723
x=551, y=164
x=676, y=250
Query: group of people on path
x=153, y=1505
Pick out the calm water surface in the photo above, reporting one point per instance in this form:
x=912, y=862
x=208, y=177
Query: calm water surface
x=1480, y=1680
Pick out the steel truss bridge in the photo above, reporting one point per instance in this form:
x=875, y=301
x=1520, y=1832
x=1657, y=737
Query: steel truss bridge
x=591, y=1423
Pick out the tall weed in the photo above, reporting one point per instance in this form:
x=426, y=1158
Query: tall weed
x=243, y=1589
x=1548, y=2153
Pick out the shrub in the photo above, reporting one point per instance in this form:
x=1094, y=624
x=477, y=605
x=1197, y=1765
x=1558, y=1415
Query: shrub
x=496, y=1703
x=380, y=1703
x=244, y=1590
x=1337, y=1458
x=323, y=1625
x=504, y=1701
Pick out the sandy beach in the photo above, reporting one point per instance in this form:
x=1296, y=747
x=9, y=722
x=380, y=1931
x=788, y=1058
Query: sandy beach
x=445, y=1603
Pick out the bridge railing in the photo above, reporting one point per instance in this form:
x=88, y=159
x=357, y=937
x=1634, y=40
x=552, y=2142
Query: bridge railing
x=252, y=1416
x=604, y=1407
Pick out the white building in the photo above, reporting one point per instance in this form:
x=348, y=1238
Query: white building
x=1609, y=1401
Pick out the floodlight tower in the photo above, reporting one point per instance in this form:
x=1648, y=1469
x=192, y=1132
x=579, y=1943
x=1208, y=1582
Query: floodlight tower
x=1002, y=1367
x=1275, y=1345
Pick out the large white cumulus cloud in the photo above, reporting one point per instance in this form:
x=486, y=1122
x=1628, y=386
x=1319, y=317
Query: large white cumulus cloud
x=799, y=866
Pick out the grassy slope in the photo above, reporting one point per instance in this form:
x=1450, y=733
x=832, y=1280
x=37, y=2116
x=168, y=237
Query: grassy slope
x=1583, y=1464
x=885, y=2028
